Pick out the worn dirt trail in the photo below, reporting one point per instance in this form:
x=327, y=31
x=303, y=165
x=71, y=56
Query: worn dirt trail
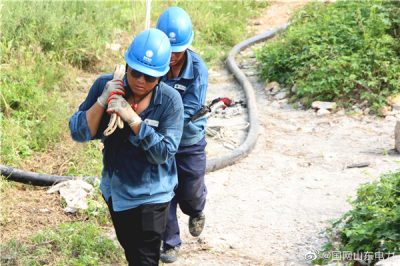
x=269, y=208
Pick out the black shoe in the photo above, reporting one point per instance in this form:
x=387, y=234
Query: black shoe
x=196, y=224
x=169, y=255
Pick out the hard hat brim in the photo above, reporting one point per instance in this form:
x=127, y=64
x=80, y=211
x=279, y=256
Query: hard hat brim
x=181, y=48
x=138, y=66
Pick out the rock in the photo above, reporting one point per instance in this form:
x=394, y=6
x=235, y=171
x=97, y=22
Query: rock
x=391, y=118
x=392, y=261
x=384, y=110
x=363, y=104
x=357, y=110
x=272, y=87
x=341, y=112
x=394, y=101
x=366, y=111
x=322, y=112
x=281, y=95
x=397, y=136
x=323, y=105
x=275, y=104
x=293, y=89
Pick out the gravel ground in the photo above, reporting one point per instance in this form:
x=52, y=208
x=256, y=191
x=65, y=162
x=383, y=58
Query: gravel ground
x=270, y=208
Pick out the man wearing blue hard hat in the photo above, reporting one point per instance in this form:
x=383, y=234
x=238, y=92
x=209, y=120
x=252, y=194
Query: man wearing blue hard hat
x=139, y=171
x=188, y=74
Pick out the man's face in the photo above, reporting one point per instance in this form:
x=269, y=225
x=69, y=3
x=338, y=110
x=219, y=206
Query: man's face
x=177, y=58
x=140, y=83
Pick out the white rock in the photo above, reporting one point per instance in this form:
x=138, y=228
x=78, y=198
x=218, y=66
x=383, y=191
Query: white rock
x=323, y=105
x=392, y=261
x=394, y=101
x=390, y=118
x=275, y=104
x=341, y=112
x=281, y=95
x=384, y=111
x=272, y=87
x=322, y=112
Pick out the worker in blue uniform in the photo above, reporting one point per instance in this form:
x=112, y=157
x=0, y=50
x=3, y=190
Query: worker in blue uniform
x=188, y=75
x=139, y=173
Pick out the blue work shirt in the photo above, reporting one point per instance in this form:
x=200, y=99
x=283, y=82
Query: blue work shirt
x=137, y=169
x=192, y=84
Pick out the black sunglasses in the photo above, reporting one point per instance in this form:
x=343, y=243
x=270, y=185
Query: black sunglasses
x=137, y=74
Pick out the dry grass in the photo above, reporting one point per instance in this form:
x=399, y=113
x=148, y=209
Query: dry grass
x=27, y=209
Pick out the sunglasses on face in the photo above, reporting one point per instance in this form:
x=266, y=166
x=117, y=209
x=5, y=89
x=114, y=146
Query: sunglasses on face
x=137, y=74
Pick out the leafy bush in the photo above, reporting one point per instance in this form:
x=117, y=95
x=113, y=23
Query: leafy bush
x=39, y=42
x=347, y=51
x=224, y=27
x=373, y=224
x=77, y=243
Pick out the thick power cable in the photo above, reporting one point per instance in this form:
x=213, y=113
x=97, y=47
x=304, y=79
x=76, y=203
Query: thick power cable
x=212, y=164
x=244, y=149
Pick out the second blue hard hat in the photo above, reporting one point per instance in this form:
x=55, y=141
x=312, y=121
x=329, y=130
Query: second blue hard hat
x=150, y=53
x=176, y=24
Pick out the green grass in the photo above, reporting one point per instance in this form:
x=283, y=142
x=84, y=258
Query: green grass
x=43, y=41
x=87, y=160
x=347, y=51
x=43, y=44
x=372, y=225
x=39, y=43
x=77, y=243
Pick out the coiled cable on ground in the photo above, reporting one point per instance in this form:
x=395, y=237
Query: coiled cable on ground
x=213, y=164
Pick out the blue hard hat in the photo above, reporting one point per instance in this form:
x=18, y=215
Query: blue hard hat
x=176, y=23
x=150, y=53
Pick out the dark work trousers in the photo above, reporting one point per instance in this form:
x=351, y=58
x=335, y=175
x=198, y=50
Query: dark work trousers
x=139, y=231
x=191, y=191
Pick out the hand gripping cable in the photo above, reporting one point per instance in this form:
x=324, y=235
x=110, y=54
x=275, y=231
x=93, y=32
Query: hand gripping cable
x=115, y=120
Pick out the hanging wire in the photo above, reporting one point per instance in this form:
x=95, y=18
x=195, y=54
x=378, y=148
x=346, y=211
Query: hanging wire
x=148, y=9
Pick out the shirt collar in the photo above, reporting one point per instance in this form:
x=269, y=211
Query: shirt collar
x=187, y=72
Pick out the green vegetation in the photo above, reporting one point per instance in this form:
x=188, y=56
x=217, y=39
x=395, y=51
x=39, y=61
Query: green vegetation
x=219, y=25
x=42, y=43
x=77, y=243
x=87, y=161
x=373, y=224
x=347, y=51
x=44, y=46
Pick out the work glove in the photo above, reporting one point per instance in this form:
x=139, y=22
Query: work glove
x=117, y=104
x=115, y=86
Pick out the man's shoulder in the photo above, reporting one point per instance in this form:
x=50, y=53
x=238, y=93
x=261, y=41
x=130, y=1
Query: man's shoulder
x=199, y=66
x=105, y=77
x=196, y=58
x=167, y=91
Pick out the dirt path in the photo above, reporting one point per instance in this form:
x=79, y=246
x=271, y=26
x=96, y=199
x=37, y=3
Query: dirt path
x=269, y=208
